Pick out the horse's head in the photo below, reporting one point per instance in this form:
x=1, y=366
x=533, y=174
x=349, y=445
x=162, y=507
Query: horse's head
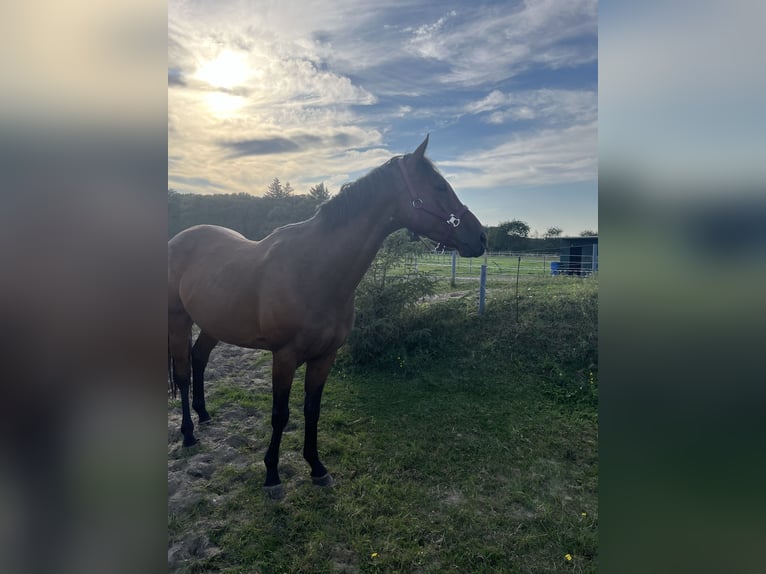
x=432, y=208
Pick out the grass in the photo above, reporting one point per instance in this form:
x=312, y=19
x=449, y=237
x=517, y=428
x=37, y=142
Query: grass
x=479, y=458
x=501, y=267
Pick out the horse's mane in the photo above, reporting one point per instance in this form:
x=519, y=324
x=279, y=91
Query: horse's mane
x=356, y=196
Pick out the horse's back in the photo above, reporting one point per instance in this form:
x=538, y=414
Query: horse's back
x=204, y=234
x=201, y=241
x=255, y=294
x=197, y=248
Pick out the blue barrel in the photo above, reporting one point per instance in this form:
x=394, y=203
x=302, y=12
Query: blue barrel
x=555, y=268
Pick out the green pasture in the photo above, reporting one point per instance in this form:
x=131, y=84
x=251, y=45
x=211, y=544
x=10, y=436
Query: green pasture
x=478, y=454
x=499, y=267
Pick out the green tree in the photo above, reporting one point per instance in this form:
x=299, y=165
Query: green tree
x=508, y=236
x=275, y=189
x=552, y=232
x=319, y=193
x=254, y=217
x=588, y=233
x=516, y=228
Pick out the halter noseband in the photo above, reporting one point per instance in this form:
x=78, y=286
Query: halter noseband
x=417, y=203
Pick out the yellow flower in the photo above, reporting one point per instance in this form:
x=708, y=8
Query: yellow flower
x=374, y=555
x=584, y=514
x=568, y=557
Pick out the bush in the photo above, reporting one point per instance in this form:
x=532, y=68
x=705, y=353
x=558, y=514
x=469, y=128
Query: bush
x=386, y=305
x=383, y=326
x=550, y=333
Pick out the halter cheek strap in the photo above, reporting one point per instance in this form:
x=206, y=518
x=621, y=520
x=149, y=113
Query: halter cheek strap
x=453, y=219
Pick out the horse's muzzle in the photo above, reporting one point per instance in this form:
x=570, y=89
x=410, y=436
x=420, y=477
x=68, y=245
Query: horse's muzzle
x=472, y=249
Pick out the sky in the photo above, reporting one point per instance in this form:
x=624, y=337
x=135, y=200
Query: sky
x=314, y=91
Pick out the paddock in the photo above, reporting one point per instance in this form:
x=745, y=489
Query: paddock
x=495, y=466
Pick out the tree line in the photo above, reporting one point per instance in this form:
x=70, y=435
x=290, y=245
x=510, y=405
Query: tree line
x=514, y=235
x=256, y=217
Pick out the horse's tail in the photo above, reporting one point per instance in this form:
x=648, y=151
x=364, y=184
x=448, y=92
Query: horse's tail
x=171, y=382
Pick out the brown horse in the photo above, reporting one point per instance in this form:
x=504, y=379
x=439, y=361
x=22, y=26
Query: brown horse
x=293, y=292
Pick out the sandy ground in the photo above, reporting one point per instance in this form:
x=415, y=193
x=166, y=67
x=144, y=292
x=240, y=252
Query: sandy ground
x=232, y=439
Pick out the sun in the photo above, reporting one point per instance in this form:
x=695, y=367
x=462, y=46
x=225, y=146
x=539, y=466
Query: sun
x=228, y=70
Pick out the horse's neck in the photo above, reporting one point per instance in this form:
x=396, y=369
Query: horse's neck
x=355, y=244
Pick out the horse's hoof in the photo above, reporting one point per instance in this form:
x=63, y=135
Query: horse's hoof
x=205, y=419
x=275, y=492
x=326, y=480
x=190, y=442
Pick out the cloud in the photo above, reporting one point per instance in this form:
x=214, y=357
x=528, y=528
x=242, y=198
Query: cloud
x=427, y=40
x=330, y=85
x=195, y=183
x=260, y=146
x=299, y=142
x=545, y=157
x=266, y=105
x=494, y=100
x=547, y=106
x=175, y=77
x=493, y=43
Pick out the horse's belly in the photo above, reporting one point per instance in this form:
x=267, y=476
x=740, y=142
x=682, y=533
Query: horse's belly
x=265, y=318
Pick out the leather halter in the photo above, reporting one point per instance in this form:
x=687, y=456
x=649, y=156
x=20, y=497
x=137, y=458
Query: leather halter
x=453, y=219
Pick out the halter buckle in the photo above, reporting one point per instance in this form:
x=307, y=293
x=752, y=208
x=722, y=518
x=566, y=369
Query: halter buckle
x=453, y=221
x=417, y=203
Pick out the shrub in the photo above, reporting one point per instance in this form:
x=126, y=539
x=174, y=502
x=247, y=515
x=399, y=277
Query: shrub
x=385, y=305
x=550, y=333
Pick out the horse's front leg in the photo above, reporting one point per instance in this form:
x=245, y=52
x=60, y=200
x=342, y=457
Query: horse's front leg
x=316, y=376
x=282, y=373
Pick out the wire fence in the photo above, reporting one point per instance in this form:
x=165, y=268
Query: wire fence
x=500, y=266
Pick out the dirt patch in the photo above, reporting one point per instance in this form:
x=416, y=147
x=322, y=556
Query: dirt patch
x=453, y=497
x=191, y=547
x=230, y=446
x=343, y=560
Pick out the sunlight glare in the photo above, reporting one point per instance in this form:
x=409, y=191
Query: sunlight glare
x=223, y=104
x=227, y=71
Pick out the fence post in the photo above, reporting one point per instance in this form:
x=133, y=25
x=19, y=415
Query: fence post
x=483, y=285
x=518, y=269
x=454, y=264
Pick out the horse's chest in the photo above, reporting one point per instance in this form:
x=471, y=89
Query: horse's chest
x=325, y=331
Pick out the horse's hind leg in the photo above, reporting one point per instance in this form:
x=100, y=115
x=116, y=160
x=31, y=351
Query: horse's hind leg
x=200, y=355
x=179, y=340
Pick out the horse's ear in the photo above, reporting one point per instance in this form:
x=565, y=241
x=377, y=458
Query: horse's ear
x=420, y=152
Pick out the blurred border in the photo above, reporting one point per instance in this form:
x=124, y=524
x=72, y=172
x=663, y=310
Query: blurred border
x=83, y=152
x=683, y=261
